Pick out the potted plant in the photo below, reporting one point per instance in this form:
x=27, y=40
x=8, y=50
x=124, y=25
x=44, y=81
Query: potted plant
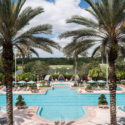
x=20, y=104
x=102, y=100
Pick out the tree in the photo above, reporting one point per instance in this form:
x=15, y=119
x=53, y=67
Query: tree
x=109, y=28
x=97, y=73
x=39, y=68
x=12, y=20
x=25, y=52
x=71, y=52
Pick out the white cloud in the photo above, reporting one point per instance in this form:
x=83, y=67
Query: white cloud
x=56, y=15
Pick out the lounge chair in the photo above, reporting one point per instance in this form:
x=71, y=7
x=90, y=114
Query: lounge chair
x=98, y=88
x=27, y=89
x=123, y=90
x=95, y=88
x=105, y=88
x=14, y=89
x=24, y=88
x=18, y=89
x=4, y=89
x=3, y=120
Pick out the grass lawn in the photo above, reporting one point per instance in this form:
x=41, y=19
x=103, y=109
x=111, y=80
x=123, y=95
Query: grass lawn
x=19, y=67
x=60, y=66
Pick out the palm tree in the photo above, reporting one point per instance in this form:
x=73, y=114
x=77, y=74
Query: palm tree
x=100, y=50
x=12, y=20
x=70, y=51
x=107, y=27
x=25, y=51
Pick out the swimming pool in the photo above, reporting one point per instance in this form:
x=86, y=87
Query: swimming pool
x=66, y=113
x=62, y=97
x=59, y=99
x=61, y=84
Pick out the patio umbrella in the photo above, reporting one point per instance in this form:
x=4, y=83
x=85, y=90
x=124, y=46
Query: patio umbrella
x=91, y=81
x=31, y=82
x=21, y=82
x=14, y=82
x=101, y=81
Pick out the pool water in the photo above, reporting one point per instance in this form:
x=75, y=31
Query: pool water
x=64, y=102
x=61, y=85
x=62, y=97
x=118, y=88
x=67, y=113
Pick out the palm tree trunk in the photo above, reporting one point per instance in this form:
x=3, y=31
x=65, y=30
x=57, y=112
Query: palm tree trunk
x=75, y=71
x=112, y=87
x=22, y=63
x=102, y=63
x=7, y=56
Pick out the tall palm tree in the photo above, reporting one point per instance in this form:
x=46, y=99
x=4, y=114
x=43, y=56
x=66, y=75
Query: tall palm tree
x=100, y=50
x=70, y=51
x=108, y=27
x=12, y=20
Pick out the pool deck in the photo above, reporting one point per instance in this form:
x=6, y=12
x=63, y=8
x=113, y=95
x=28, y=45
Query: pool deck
x=95, y=116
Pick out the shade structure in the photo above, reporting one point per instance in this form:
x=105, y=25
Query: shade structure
x=21, y=82
x=31, y=82
x=91, y=81
x=14, y=82
x=101, y=81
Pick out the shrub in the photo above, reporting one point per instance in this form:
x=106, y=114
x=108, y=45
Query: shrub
x=54, y=75
x=89, y=87
x=20, y=102
x=102, y=100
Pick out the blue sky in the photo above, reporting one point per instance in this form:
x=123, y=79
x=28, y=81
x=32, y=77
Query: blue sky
x=56, y=13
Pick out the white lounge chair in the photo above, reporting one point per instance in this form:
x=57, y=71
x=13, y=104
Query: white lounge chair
x=24, y=88
x=98, y=88
x=18, y=89
x=14, y=89
x=27, y=89
x=123, y=90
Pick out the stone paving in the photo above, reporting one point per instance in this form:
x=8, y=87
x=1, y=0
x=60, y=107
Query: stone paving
x=95, y=116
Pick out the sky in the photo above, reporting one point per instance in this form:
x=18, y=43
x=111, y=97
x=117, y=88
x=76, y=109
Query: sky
x=56, y=13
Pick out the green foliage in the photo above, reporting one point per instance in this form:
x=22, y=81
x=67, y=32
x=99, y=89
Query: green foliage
x=61, y=61
x=89, y=87
x=97, y=73
x=20, y=102
x=68, y=75
x=102, y=100
x=120, y=75
x=54, y=75
x=26, y=76
x=40, y=68
x=28, y=66
x=37, y=68
x=61, y=70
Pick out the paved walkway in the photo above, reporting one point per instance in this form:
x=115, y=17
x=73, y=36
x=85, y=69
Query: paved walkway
x=95, y=116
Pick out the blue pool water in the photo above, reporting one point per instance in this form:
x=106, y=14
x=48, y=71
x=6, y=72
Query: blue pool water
x=62, y=97
x=119, y=88
x=62, y=101
x=68, y=113
x=61, y=85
